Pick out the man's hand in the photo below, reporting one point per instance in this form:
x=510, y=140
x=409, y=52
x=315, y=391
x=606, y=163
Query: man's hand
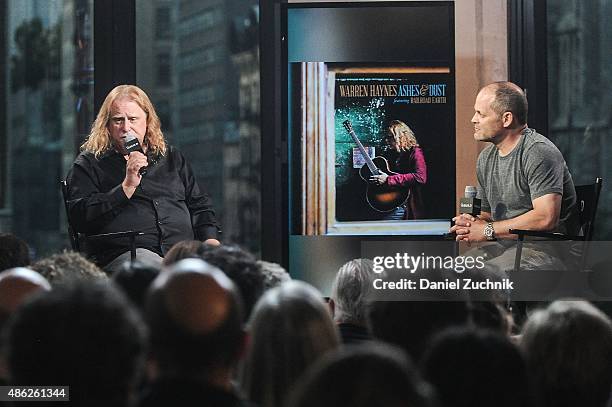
x=544, y=216
x=469, y=228
x=212, y=242
x=378, y=179
x=136, y=160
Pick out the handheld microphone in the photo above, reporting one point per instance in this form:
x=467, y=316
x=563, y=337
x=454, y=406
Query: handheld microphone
x=470, y=204
x=132, y=144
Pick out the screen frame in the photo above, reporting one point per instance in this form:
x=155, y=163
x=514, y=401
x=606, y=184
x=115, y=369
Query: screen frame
x=277, y=167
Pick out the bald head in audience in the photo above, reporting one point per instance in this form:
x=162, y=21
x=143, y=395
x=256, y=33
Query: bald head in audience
x=195, y=318
x=16, y=285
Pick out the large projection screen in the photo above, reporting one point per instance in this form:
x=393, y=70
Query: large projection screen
x=369, y=64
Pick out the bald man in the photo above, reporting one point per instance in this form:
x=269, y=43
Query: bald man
x=523, y=180
x=195, y=317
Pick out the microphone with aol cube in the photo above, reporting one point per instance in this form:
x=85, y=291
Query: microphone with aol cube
x=469, y=203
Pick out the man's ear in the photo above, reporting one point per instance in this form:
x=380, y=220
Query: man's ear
x=507, y=119
x=332, y=307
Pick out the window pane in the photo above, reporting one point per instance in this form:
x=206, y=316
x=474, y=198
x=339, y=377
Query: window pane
x=163, y=70
x=162, y=22
x=580, y=93
x=45, y=112
x=210, y=101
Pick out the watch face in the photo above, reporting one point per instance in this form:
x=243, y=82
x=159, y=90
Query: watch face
x=488, y=230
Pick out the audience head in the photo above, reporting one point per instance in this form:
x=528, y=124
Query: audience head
x=185, y=249
x=289, y=330
x=14, y=252
x=568, y=348
x=17, y=285
x=85, y=335
x=492, y=315
x=68, y=266
x=195, y=317
x=369, y=375
x=241, y=267
x=274, y=274
x=134, y=278
x=490, y=306
x=476, y=368
x=411, y=323
x=348, y=299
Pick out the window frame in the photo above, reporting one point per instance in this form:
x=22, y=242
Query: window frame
x=114, y=46
x=527, y=56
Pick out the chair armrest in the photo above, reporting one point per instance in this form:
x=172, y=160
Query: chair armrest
x=116, y=235
x=113, y=235
x=547, y=235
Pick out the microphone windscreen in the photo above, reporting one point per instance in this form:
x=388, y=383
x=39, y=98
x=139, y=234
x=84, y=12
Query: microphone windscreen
x=131, y=143
x=470, y=191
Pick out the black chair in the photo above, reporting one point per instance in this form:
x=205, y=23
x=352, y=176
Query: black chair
x=77, y=238
x=587, y=197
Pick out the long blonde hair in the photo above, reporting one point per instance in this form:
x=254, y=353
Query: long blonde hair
x=99, y=140
x=403, y=135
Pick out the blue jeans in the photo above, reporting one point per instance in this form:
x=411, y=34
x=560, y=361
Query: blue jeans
x=396, y=214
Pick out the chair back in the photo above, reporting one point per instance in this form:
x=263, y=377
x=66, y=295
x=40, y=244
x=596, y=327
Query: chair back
x=74, y=237
x=587, y=198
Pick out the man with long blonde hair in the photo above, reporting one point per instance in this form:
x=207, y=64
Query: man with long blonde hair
x=152, y=190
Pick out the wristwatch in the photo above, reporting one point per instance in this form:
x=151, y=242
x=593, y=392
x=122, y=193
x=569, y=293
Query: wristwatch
x=489, y=232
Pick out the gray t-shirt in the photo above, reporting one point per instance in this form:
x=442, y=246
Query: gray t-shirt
x=508, y=185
